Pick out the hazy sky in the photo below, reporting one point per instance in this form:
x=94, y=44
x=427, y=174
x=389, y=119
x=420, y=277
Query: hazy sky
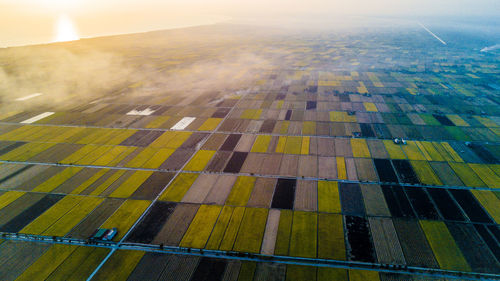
x=35, y=21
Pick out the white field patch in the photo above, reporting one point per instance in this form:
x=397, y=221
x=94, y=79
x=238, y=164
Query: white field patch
x=271, y=233
x=37, y=118
x=29, y=97
x=183, y=123
x=147, y=111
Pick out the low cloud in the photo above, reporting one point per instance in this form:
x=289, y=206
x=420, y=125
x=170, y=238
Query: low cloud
x=78, y=72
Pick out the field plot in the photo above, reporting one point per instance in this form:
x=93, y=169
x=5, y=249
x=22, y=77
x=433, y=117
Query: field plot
x=375, y=154
x=78, y=263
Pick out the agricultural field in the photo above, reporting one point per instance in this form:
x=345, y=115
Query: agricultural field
x=235, y=153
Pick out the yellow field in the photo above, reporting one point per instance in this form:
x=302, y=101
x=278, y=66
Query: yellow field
x=98, y=151
x=95, y=133
x=57, y=179
x=79, y=265
x=52, y=215
x=164, y=139
x=199, y=160
x=284, y=228
x=362, y=88
x=247, y=271
x=331, y=243
x=25, y=152
x=105, y=136
x=101, y=188
x=171, y=140
x=261, y=143
x=454, y=155
x=141, y=158
x=279, y=104
x=200, y=228
x=47, y=263
x=120, y=137
x=62, y=137
x=309, y=128
x=210, y=125
x=443, y=152
x=412, y=151
x=341, y=170
x=303, y=240
x=251, y=230
x=126, y=216
x=78, y=135
x=158, y=158
x=304, y=150
x=120, y=265
x=220, y=227
x=496, y=131
x=293, y=145
x=329, y=273
x=362, y=275
x=431, y=151
x=157, y=122
x=47, y=134
x=251, y=114
x=129, y=186
x=240, y=193
x=180, y=138
x=374, y=79
x=328, y=197
x=113, y=156
x=284, y=127
x=394, y=150
x=369, y=106
x=280, y=147
x=73, y=217
x=495, y=168
x=360, y=148
x=299, y=273
x=341, y=116
x=424, y=152
x=15, y=134
x=329, y=83
x=446, y=251
x=9, y=197
x=79, y=154
x=425, y=173
x=490, y=202
x=178, y=188
x=466, y=174
x=457, y=120
x=37, y=132
x=89, y=181
x=487, y=122
x=20, y=133
x=486, y=174
x=232, y=229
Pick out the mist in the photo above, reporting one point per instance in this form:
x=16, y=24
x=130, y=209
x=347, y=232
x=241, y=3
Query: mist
x=30, y=22
x=80, y=72
x=60, y=75
x=192, y=62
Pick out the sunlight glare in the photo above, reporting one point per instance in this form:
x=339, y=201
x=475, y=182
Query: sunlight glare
x=65, y=30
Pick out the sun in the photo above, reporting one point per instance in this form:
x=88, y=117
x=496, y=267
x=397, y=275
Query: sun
x=65, y=31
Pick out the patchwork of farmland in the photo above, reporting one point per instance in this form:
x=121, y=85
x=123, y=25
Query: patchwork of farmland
x=282, y=167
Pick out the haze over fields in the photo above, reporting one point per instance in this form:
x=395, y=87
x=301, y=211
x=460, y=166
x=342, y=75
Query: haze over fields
x=36, y=21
